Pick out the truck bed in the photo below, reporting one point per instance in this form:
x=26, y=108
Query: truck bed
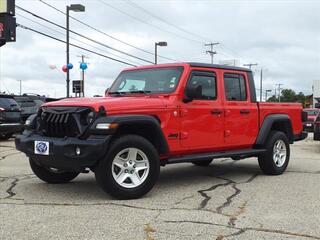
x=294, y=110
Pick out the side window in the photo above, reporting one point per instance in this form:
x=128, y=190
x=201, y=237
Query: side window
x=235, y=87
x=206, y=82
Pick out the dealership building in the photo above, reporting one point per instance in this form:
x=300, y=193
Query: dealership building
x=316, y=92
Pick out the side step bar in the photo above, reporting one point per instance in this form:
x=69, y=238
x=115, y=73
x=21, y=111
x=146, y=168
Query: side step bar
x=244, y=153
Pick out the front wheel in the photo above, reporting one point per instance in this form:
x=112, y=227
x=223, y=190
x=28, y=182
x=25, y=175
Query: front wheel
x=51, y=175
x=130, y=169
x=276, y=158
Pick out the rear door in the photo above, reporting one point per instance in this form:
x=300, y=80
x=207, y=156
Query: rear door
x=241, y=115
x=202, y=118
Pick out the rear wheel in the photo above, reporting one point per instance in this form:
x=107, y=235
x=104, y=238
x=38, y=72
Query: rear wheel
x=5, y=136
x=276, y=158
x=130, y=169
x=316, y=134
x=51, y=175
x=202, y=163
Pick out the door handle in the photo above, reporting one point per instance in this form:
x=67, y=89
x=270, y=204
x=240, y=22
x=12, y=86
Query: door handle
x=244, y=111
x=216, y=111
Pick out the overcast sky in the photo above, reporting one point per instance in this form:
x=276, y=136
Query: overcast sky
x=283, y=37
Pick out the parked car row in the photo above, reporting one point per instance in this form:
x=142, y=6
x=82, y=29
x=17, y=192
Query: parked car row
x=14, y=111
x=313, y=122
x=316, y=134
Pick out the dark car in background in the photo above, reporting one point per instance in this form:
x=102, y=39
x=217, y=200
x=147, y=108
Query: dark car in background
x=316, y=135
x=10, y=117
x=29, y=104
x=312, y=114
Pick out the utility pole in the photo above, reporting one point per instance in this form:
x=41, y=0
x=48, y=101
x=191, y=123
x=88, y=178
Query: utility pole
x=82, y=75
x=20, y=86
x=268, y=90
x=250, y=65
x=211, y=52
x=279, y=90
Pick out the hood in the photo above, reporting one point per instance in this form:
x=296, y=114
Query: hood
x=112, y=104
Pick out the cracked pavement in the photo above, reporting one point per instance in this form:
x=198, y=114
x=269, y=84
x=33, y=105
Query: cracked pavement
x=227, y=200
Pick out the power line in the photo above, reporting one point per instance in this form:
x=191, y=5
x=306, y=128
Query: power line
x=165, y=21
x=71, y=44
x=148, y=23
x=77, y=40
x=83, y=36
x=108, y=35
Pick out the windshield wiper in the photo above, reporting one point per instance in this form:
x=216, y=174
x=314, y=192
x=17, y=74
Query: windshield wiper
x=118, y=93
x=140, y=91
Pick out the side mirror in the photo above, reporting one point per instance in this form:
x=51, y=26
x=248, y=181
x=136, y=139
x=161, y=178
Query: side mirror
x=192, y=93
x=106, y=92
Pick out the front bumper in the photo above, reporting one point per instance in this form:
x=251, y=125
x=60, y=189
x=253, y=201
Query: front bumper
x=6, y=128
x=62, y=151
x=303, y=135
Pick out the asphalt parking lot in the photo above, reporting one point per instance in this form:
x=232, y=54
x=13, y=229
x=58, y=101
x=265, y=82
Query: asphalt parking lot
x=227, y=200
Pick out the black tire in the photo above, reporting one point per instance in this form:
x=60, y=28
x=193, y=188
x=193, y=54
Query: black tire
x=316, y=134
x=5, y=136
x=53, y=177
x=103, y=171
x=266, y=162
x=202, y=163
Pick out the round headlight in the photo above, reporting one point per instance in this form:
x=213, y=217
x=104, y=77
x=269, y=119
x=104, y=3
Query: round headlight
x=90, y=117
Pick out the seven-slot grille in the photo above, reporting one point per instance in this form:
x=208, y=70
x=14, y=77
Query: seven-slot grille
x=55, y=124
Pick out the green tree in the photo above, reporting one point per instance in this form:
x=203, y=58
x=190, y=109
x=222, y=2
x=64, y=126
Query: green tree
x=289, y=95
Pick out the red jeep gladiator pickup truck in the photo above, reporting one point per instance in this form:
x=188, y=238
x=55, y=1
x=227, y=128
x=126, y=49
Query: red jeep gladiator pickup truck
x=156, y=115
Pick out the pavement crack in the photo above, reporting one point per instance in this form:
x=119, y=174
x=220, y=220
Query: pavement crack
x=183, y=199
x=13, y=184
x=10, y=191
x=245, y=229
x=229, y=198
x=8, y=155
x=206, y=197
x=233, y=218
x=6, y=146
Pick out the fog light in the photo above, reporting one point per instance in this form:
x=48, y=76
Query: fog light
x=78, y=151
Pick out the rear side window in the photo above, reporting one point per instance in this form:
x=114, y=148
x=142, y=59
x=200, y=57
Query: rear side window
x=207, y=82
x=7, y=102
x=235, y=87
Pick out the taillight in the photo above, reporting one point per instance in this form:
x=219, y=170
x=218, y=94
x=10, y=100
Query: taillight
x=1, y=109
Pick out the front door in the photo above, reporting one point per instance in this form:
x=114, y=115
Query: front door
x=202, y=118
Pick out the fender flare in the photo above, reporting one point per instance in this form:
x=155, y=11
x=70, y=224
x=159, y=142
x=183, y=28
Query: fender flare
x=130, y=120
x=267, y=124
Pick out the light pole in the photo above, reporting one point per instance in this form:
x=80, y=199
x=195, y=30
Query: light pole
x=20, y=81
x=268, y=90
x=75, y=8
x=156, y=44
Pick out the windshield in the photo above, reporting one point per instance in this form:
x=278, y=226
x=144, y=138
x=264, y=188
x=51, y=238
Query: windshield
x=312, y=112
x=156, y=80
